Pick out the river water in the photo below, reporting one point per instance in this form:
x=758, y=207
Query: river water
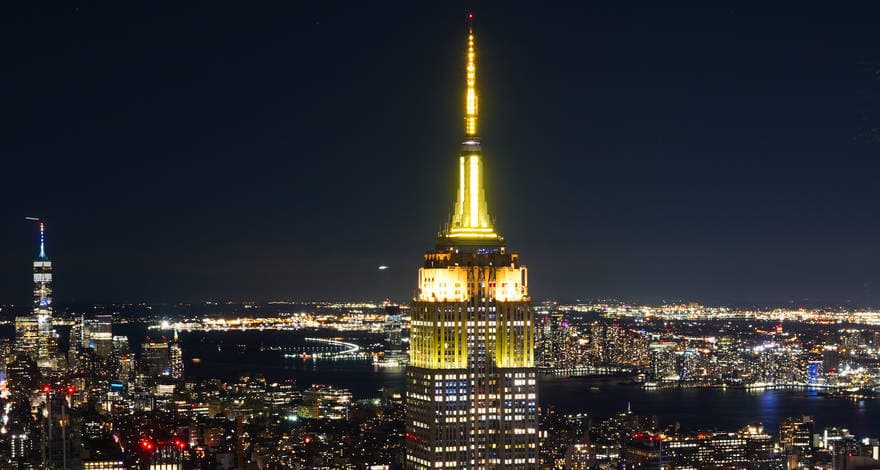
x=692, y=408
x=228, y=355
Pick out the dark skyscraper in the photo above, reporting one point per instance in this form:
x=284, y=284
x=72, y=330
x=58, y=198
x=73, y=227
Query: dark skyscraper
x=471, y=391
x=155, y=358
x=394, y=354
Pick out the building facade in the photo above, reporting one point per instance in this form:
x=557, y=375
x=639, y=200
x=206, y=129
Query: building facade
x=796, y=434
x=97, y=334
x=471, y=382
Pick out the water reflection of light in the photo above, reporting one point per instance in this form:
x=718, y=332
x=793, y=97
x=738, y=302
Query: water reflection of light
x=769, y=399
x=768, y=406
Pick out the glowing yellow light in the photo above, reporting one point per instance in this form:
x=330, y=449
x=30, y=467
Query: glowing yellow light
x=461, y=182
x=440, y=320
x=470, y=219
x=470, y=234
x=471, y=93
x=472, y=229
x=475, y=191
x=443, y=284
x=438, y=334
x=510, y=284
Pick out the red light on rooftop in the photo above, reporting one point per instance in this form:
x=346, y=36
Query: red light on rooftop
x=470, y=16
x=147, y=445
x=178, y=442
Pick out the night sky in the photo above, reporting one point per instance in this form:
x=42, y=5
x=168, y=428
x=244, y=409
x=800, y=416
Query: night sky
x=285, y=151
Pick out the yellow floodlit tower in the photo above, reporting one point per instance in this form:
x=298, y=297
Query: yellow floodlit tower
x=471, y=382
x=470, y=218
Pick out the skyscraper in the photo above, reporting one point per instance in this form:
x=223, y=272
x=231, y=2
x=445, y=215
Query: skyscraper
x=34, y=333
x=471, y=382
x=175, y=358
x=155, y=358
x=97, y=334
x=394, y=355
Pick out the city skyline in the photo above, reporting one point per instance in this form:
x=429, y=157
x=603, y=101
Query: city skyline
x=216, y=190
x=675, y=168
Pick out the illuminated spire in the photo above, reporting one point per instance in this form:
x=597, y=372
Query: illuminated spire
x=42, y=240
x=471, y=104
x=42, y=235
x=470, y=219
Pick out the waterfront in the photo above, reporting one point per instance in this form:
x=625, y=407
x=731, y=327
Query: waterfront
x=702, y=408
x=228, y=355
x=710, y=408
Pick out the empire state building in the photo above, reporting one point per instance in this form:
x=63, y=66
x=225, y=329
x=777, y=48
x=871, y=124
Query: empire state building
x=471, y=393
